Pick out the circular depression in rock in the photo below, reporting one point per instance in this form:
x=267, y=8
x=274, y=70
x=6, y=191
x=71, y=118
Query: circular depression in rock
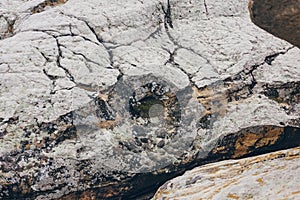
x=155, y=103
x=156, y=113
x=145, y=124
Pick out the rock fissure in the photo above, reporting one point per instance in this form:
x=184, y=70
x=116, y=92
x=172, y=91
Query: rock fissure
x=103, y=43
x=168, y=15
x=43, y=55
x=110, y=55
x=58, y=63
x=179, y=46
x=205, y=6
x=151, y=35
x=269, y=59
x=246, y=74
x=176, y=65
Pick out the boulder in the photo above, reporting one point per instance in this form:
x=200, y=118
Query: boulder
x=281, y=18
x=268, y=176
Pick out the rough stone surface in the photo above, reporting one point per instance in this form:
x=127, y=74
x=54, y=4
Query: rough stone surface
x=281, y=18
x=92, y=104
x=269, y=176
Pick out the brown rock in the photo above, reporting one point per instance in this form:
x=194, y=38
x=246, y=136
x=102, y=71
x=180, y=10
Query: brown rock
x=281, y=18
x=255, y=140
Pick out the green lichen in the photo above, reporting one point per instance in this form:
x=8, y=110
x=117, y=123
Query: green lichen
x=144, y=105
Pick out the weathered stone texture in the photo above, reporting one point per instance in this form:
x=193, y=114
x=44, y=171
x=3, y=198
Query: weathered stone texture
x=98, y=97
x=269, y=176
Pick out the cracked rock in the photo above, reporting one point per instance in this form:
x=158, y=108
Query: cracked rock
x=93, y=104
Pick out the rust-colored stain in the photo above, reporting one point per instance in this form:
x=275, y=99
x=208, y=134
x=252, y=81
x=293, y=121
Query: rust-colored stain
x=244, y=142
x=111, y=193
x=41, y=7
x=27, y=146
x=232, y=196
x=86, y=195
x=260, y=180
x=25, y=186
x=90, y=195
x=215, y=169
x=292, y=156
x=93, y=194
x=39, y=144
x=264, y=137
x=108, y=124
x=114, y=191
x=219, y=189
x=10, y=28
x=219, y=149
x=207, y=95
x=250, y=5
x=296, y=192
x=270, y=137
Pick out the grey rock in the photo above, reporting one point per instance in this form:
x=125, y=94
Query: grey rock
x=98, y=96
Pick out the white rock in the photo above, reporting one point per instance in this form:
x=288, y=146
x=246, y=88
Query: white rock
x=269, y=176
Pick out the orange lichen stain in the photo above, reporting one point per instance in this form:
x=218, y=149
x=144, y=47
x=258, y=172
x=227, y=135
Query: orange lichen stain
x=217, y=190
x=39, y=143
x=54, y=3
x=250, y=4
x=256, y=173
x=86, y=195
x=207, y=95
x=90, y=195
x=27, y=146
x=111, y=193
x=260, y=180
x=215, y=169
x=219, y=149
x=268, y=136
x=212, y=170
x=114, y=192
x=296, y=192
x=232, y=196
x=108, y=124
x=229, y=183
x=270, y=156
x=293, y=155
x=244, y=142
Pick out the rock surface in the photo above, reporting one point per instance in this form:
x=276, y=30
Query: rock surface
x=281, y=18
x=99, y=97
x=270, y=176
